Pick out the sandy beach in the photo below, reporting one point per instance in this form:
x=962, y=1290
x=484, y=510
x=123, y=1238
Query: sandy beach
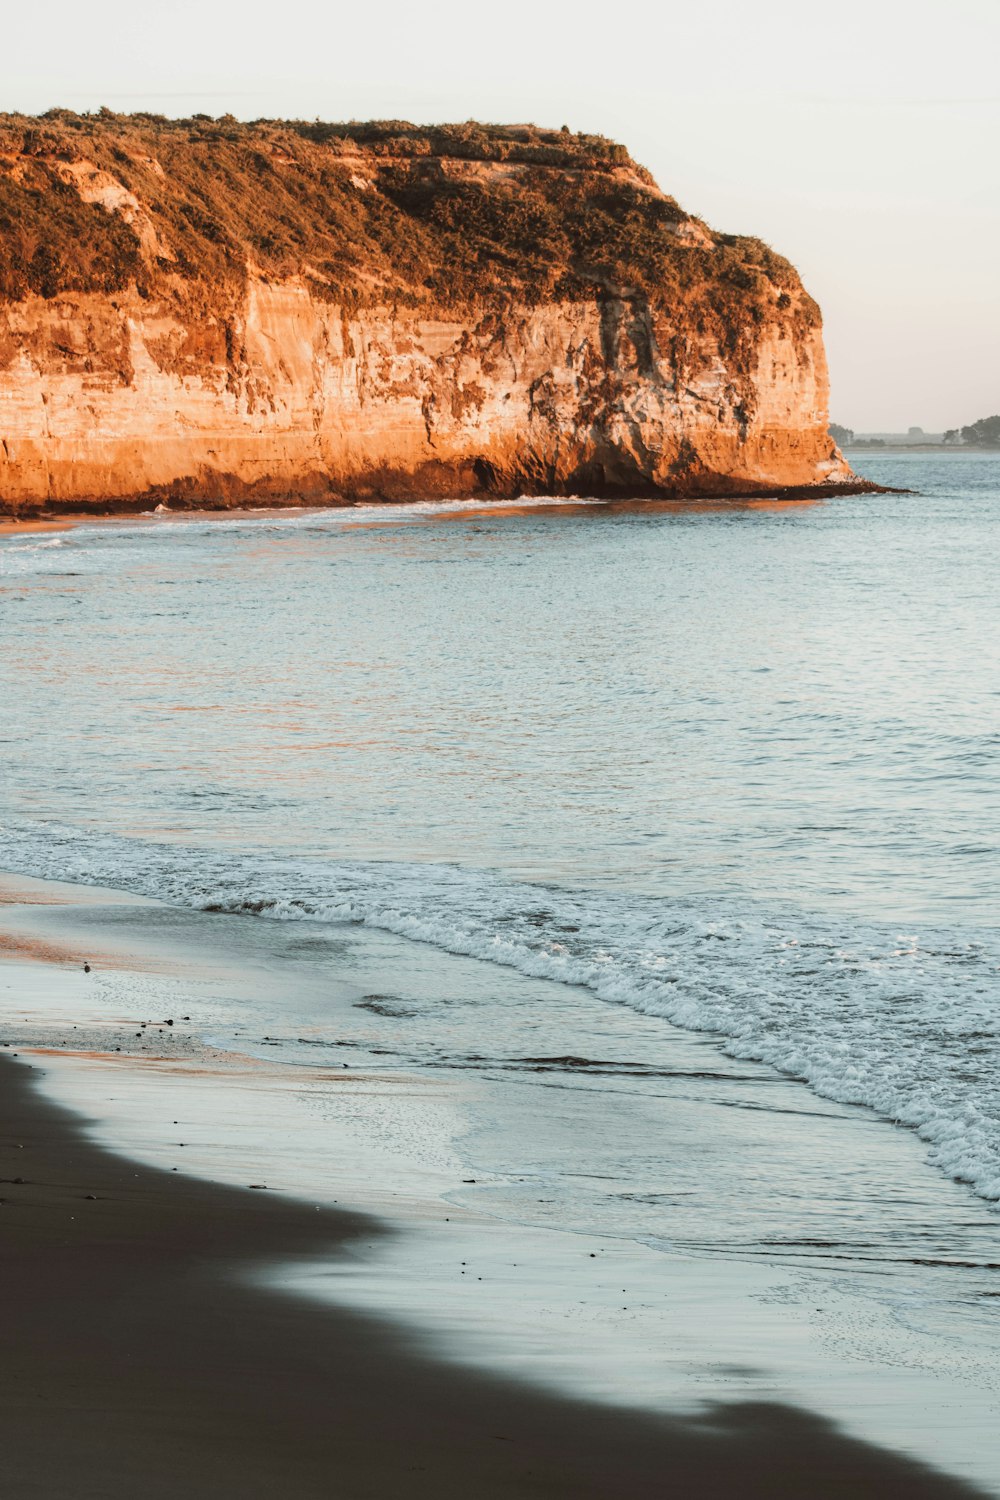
x=151, y=1347
x=134, y=1361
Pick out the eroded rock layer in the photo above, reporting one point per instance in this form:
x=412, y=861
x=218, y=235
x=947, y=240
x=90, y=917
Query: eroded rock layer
x=206, y=312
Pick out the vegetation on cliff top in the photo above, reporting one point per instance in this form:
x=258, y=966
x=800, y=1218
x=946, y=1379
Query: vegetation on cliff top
x=447, y=216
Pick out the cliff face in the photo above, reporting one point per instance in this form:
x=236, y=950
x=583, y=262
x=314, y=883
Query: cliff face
x=206, y=312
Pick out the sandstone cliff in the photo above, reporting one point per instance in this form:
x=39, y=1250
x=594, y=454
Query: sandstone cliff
x=209, y=312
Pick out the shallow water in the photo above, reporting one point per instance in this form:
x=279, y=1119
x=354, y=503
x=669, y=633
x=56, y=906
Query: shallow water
x=730, y=765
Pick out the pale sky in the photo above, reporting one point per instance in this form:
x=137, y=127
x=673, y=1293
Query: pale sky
x=860, y=139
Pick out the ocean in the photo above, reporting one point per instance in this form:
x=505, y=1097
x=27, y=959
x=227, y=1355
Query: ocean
x=595, y=783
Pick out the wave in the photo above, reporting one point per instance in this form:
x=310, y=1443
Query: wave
x=903, y=1023
x=23, y=555
x=167, y=522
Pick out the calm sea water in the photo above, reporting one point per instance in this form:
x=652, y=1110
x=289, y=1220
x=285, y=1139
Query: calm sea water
x=733, y=766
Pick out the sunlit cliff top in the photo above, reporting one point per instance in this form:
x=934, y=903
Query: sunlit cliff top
x=388, y=212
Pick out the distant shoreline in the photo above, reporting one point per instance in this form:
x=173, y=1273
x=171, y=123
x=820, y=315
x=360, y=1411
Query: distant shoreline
x=959, y=449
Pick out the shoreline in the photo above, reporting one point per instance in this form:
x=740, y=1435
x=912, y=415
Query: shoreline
x=220, y=1328
x=45, y=515
x=139, y=1358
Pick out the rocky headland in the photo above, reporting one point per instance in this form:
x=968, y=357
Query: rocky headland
x=204, y=312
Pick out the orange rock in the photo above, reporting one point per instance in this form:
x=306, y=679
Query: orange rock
x=631, y=352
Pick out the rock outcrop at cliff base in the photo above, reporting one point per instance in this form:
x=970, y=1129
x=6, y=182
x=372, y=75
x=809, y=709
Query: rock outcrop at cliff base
x=205, y=312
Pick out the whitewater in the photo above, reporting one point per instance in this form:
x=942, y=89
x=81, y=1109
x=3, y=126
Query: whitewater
x=905, y=1023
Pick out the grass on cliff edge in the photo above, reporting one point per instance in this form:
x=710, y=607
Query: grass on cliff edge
x=452, y=216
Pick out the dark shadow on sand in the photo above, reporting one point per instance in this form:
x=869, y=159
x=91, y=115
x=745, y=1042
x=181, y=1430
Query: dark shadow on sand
x=137, y=1362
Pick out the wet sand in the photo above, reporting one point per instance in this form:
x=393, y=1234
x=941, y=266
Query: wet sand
x=152, y=1342
x=138, y=1360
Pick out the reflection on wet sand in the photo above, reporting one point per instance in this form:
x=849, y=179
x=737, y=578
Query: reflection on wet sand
x=35, y=950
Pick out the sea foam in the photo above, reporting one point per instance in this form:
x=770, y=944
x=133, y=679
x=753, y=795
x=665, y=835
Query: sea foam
x=903, y=1022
